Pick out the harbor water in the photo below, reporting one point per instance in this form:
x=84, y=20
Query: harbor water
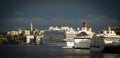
x=49, y=51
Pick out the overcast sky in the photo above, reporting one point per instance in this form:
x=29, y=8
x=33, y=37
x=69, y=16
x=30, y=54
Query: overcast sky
x=97, y=14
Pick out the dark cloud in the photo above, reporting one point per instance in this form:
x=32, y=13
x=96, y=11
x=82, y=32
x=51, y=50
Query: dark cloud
x=42, y=23
x=16, y=14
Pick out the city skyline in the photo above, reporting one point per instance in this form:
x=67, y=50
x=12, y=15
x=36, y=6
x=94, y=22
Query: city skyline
x=45, y=13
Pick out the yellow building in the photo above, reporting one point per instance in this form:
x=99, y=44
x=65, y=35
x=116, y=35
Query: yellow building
x=26, y=32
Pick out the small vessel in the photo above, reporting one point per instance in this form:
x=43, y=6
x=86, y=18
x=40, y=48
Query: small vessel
x=82, y=39
x=97, y=44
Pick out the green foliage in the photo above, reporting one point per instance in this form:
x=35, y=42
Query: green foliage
x=16, y=40
x=3, y=39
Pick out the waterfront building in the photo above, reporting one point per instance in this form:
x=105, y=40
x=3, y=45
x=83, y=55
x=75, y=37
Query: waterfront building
x=26, y=32
x=29, y=39
x=33, y=35
x=15, y=33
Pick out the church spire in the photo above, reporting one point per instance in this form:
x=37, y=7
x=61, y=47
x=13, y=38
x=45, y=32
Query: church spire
x=31, y=27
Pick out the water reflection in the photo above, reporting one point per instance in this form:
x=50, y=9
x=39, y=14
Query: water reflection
x=85, y=53
x=96, y=55
x=50, y=52
x=81, y=53
x=111, y=55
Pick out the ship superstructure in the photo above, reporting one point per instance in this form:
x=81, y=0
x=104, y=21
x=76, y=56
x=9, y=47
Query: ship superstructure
x=82, y=39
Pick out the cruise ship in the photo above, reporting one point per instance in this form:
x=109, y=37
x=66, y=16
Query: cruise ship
x=69, y=36
x=110, y=34
x=110, y=37
x=63, y=33
x=97, y=44
x=82, y=40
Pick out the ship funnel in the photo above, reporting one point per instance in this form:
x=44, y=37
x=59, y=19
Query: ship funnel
x=83, y=24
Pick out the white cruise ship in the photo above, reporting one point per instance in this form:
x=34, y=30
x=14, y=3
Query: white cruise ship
x=69, y=36
x=82, y=40
x=110, y=34
x=64, y=33
x=110, y=37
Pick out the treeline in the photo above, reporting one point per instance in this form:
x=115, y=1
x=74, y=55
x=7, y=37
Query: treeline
x=5, y=39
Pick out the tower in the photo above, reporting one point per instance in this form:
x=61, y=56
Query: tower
x=31, y=28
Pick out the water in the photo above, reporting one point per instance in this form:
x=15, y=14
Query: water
x=49, y=51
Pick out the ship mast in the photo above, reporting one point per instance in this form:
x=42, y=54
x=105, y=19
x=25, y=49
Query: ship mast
x=109, y=29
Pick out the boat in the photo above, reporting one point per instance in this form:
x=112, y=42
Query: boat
x=97, y=44
x=69, y=43
x=69, y=37
x=110, y=37
x=82, y=39
x=110, y=34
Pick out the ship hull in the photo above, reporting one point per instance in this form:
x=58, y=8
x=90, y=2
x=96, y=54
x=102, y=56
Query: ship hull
x=111, y=41
x=97, y=44
x=96, y=48
x=82, y=43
